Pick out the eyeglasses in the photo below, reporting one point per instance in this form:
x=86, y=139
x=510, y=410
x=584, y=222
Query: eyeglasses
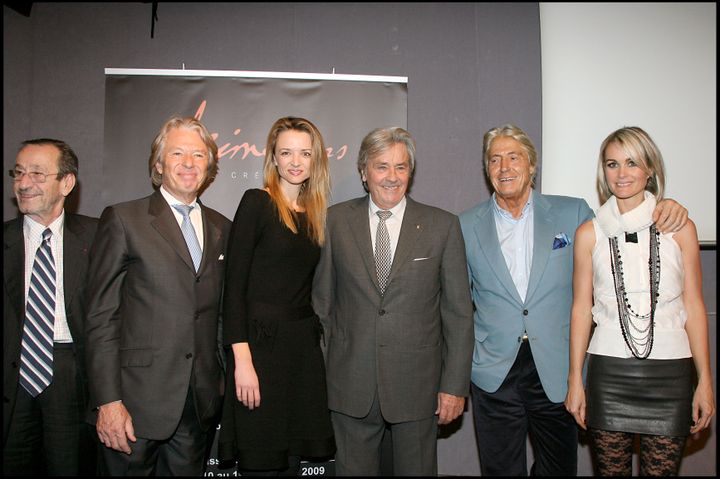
x=35, y=176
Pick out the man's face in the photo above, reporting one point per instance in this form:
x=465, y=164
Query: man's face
x=387, y=176
x=42, y=201
x=509, y=169
x=184, y=164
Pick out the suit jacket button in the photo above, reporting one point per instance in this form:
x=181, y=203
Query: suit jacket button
x=188, y=355
x=525, y=312
x=197, y=279
x=381, y=312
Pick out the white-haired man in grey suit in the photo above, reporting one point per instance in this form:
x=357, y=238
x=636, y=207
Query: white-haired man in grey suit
x=399, y=344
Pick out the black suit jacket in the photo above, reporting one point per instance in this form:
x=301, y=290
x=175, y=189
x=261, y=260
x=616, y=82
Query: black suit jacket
x=78, y=235
x=152, y=324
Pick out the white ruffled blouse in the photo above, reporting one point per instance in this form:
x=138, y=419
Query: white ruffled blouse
x=670, y=339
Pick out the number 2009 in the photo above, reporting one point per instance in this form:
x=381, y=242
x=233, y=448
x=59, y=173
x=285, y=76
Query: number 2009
x=312, y=471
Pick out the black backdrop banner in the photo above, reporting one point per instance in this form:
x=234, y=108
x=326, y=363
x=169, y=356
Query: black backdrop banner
x=238, y=111
x=238, y=108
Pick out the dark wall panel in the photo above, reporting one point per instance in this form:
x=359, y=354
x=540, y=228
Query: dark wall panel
x=470, y=67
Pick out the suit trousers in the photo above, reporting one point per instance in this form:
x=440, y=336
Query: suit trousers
x=520, y=406
x=182, y=454
x=359, y=441
x=48, y=433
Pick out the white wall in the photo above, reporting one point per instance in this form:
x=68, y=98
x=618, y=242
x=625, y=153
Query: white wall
x=652, y=65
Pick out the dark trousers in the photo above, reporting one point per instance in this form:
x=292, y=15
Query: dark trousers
x=48, y=435
x=182, y=454
x=520, y=406
x=293, y=469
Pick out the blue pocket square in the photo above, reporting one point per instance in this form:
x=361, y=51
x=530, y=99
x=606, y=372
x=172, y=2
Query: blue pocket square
x=561, y=240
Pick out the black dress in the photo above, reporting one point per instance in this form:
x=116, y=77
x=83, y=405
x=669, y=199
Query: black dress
x=267, y=304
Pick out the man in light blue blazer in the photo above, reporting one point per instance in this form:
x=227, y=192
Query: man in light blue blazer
x=520, y=263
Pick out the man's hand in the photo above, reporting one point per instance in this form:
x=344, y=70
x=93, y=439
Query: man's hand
x=669, y=216
x=449, y=407
x=114, y=426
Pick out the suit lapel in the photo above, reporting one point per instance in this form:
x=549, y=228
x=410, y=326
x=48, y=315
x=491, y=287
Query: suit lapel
x=15, y=266
x=359, y=228
x=75, y=261
x=212, y=234
x=166, y=225
x=411, y=230
x=486, y=232
x=74, y=252
x=543, y=234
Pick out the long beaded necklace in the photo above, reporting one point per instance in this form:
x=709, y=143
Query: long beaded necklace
x=638, y=338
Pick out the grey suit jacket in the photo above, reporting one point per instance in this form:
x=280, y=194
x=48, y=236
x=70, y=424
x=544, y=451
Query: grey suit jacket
x=152, y=322
x=414, y=341
x=501, y=316
x=78, y=234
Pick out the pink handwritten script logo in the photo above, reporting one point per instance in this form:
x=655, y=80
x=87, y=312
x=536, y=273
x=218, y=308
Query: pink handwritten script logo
x=246, y=149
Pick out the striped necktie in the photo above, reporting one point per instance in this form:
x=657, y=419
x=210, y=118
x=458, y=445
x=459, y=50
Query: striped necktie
x=189, y=233
x=36, y=355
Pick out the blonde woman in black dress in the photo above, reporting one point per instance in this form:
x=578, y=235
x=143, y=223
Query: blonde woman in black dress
x=275, y=410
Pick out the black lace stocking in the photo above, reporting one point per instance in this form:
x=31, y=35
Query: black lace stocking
x=613, y=452
x=659, y=455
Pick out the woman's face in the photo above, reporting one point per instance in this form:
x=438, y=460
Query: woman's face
x=293, y=156
x=626, y=177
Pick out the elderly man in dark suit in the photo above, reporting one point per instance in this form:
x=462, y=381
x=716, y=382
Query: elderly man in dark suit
x=156, y=276
x=45, y=264
x=392, y=293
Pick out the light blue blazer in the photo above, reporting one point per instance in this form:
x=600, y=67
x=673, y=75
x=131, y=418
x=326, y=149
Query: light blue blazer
x=501, y=316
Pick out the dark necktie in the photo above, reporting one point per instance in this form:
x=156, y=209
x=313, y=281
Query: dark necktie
x=36, y=355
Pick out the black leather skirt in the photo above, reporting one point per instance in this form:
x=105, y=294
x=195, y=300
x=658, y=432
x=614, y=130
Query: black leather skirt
x=645, y=396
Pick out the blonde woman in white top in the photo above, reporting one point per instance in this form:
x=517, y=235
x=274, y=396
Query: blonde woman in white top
x=643, y=291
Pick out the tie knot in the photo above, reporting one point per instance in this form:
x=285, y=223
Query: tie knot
x=384, y=214
x=47, y=234
x=184, y=210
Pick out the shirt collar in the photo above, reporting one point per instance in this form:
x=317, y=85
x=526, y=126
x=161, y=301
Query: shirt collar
x=395, y=210
x=505, y=214
x=32, y=227
x=174, y=201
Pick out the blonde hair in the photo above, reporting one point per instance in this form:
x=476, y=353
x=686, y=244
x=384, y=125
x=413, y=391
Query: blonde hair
x=638, y=145
x=314, y=192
